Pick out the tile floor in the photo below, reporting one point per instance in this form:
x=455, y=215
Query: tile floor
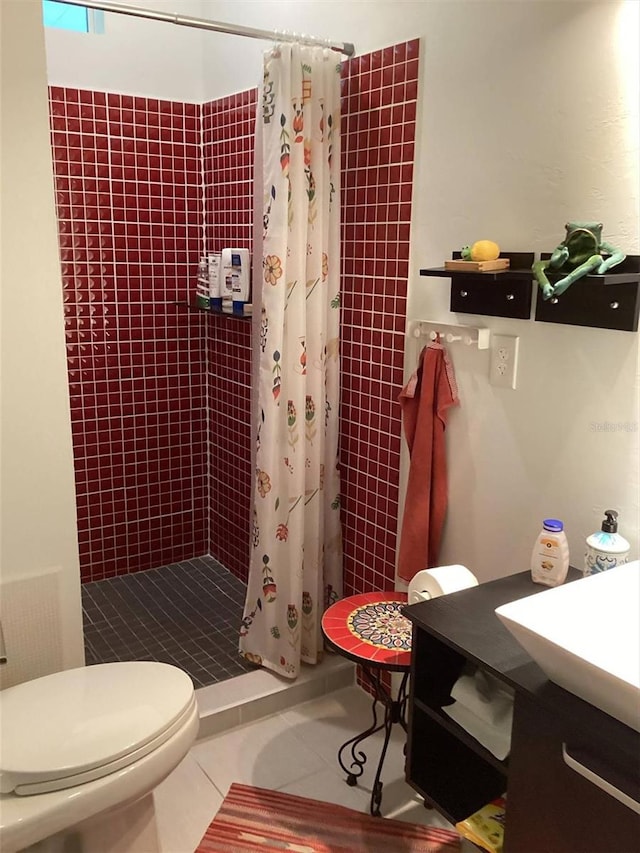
x=187, y=614
x=294, y=751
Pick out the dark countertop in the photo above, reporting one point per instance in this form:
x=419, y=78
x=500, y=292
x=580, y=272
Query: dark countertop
x=466, y=622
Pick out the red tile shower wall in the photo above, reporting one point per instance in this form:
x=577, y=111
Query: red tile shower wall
x=229, y=378
x=228, y=127
x=155, y=484
x=228, y=139
x=378, y=123
x=128, y=193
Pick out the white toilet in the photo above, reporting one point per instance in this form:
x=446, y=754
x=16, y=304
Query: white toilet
x=82, y=750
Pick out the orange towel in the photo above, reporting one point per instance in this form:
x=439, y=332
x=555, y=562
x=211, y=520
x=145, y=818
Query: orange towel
x=425, y=399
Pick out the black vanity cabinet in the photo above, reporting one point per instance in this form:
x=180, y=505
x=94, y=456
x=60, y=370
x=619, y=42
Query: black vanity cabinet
x=551, y=806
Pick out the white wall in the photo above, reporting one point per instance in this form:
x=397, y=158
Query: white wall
x=523, y=128
x=528, y=118
x=38, y=519
x=368, y=24
x=133, y=55
x=158, y=59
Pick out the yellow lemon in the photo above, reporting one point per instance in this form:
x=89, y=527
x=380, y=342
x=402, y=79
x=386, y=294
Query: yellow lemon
x=485, y=250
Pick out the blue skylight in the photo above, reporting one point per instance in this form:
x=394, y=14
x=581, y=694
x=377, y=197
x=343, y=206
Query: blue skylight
x=65, y=17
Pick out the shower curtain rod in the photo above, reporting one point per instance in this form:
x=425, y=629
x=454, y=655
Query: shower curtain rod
x=216, y=26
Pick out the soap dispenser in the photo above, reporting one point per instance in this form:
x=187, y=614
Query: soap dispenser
x=606, y=548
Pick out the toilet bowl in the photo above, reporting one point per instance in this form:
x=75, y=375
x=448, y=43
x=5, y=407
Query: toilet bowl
x=82, y=750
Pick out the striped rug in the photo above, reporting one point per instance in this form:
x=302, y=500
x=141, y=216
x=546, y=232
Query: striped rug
x=254, y=820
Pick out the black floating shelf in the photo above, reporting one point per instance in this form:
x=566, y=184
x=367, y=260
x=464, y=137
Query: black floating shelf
x=498, y=293
x=609, y=301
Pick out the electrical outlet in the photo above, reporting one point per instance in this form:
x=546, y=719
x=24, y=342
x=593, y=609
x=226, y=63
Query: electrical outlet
x=504, y=360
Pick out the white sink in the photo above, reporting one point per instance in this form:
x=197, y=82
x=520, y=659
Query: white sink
x=585, y=636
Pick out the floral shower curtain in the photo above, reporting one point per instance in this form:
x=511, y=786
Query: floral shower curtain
x=296, y=556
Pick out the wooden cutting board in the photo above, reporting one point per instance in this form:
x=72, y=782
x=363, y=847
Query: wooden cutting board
x=477, y=266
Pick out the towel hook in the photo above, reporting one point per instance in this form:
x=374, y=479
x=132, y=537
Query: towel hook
x=452, y=332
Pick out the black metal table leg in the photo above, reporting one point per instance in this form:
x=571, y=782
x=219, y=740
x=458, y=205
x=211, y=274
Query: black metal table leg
x=359, y=759
x=394, y=712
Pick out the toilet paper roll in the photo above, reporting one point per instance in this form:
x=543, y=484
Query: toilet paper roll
x=496, y=737
x=484, y=696
x=431, y=583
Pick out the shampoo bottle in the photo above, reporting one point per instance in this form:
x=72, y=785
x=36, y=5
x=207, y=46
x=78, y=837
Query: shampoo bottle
x=241, y=280
x=202, y=285
x=235, y=280
x=605, y=548
x=550, y=557
x=215, y=297
x=226, y=280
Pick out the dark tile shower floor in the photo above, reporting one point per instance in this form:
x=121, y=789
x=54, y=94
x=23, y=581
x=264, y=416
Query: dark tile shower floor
x=187, y=614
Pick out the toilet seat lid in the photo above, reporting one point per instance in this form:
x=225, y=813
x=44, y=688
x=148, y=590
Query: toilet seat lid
x=72, y=723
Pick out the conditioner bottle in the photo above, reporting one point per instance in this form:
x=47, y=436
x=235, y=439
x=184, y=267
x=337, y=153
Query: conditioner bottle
x=202, y=285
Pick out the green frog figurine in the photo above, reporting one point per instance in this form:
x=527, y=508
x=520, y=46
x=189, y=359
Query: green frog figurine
x=582, y=251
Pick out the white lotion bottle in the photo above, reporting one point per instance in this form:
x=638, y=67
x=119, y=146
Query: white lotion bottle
x=550, y=557
x=606, y=548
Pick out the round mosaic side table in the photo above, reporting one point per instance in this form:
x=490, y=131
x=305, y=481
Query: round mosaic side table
x=370, y=629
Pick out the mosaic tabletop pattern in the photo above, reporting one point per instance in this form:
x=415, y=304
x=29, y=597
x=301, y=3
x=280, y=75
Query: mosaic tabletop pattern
x=371, y=629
